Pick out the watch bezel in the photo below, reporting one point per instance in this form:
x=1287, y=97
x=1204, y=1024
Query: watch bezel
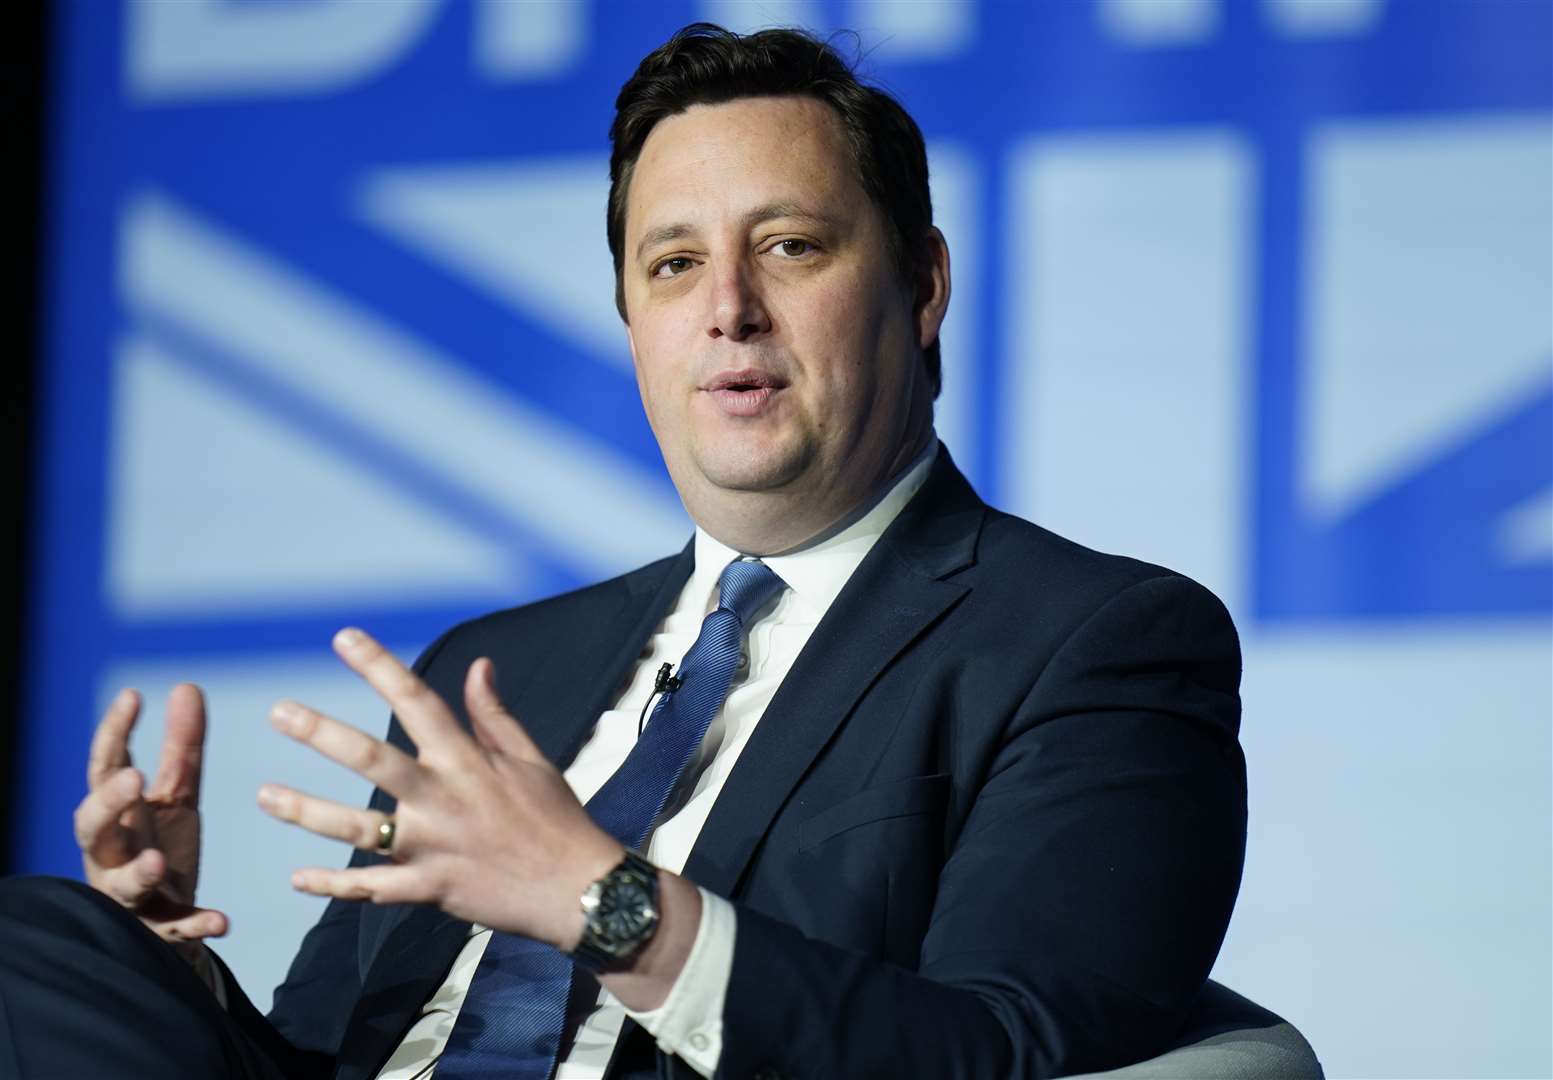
x=599, y=948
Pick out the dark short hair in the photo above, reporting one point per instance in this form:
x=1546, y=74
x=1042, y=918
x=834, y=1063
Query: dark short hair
x=704, y=64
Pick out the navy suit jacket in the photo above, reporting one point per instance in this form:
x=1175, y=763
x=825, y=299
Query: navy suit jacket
x=991, y=825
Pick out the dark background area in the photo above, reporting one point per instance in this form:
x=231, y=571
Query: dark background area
x=23, y=76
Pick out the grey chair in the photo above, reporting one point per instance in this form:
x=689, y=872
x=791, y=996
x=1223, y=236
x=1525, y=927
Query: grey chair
x=1228, y=1038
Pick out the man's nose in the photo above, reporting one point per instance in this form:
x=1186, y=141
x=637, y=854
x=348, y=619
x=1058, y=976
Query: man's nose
x=738, y=311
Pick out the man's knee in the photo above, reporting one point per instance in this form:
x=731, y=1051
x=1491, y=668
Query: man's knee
x=46, y=921
x=90, y=991
x=23, y=894
x=57, y=903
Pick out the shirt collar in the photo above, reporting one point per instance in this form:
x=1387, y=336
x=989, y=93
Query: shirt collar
x=816, y=574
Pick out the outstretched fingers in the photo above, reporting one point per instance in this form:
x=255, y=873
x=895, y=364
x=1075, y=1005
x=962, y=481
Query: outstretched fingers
x=424, y=716
x=176, y=922
x=386, y=766
x=183, y=747
x=357, y=827
x=110, y=742
x=496, y=728
x=385, y=883
x=198, y=924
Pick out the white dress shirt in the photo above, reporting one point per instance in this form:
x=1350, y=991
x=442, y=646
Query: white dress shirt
x=689, y=1022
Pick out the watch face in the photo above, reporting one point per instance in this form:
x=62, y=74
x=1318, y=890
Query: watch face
x=625, y=912
x=621, y=913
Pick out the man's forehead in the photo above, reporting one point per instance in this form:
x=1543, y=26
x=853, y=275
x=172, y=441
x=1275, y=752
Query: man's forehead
x=756, y=158
x=781, y=115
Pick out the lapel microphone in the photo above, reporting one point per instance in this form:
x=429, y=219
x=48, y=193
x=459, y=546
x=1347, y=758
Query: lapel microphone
x=665, y=683
x=662, y=683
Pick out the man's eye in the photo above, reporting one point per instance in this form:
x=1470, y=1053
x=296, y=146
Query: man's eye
x=671, y=267
x=794, y=248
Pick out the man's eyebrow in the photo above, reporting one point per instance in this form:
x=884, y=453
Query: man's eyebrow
x=786, y=210
x=664, y=234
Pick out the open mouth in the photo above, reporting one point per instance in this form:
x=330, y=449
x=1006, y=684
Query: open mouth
x=744, y=381
x=744, y=393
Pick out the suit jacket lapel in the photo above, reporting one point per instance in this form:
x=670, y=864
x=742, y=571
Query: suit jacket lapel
x=561, y=702
x=405, y=973
x=895, y=594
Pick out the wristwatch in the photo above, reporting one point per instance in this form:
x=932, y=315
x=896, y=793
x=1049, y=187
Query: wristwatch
x=620, y=911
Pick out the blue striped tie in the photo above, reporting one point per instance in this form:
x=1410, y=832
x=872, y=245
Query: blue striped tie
x=512, y=1018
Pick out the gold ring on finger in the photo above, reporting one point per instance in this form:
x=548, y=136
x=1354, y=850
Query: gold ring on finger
x=385, y=835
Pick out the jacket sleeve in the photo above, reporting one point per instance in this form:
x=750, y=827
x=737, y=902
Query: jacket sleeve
x=1084, y=898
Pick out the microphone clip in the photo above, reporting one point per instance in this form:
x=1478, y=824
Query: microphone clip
x=664, y=683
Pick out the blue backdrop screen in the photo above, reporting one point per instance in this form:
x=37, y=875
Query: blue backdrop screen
x=1260, y=290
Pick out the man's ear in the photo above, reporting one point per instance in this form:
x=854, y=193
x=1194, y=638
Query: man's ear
x=931, y=282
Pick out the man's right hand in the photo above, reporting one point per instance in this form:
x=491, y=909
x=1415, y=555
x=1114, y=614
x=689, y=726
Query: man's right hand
x=143, y=847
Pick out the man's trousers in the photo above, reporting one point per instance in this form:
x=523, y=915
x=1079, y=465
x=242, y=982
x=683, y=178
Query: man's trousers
x=87, y=992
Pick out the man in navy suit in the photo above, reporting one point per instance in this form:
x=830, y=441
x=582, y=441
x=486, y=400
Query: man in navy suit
x=968, y=801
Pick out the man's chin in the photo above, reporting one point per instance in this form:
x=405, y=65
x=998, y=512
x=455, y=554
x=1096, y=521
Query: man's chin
x=752, y=482
x=753, y=473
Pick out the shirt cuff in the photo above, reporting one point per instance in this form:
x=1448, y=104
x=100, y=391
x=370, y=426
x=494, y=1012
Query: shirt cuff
x=689, y=1023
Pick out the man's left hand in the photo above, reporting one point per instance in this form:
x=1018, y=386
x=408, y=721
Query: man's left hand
x=486, y=828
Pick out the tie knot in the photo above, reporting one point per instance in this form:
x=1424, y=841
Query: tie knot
x=745, y=585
